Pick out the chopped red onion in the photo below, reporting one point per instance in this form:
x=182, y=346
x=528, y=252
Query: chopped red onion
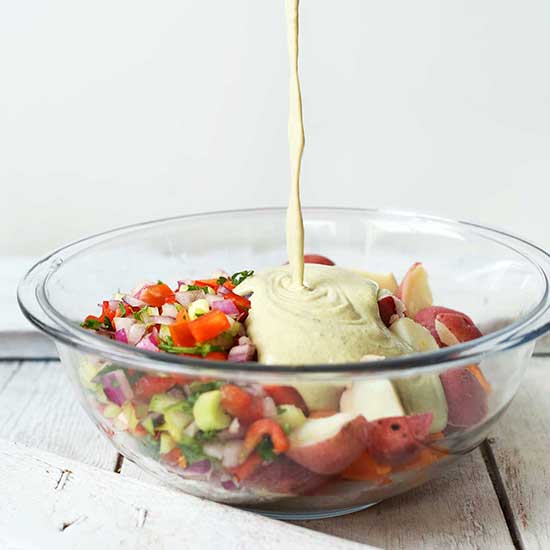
x=135, y=333
x=136, y=293
x=124, y=323
x=226, y=306
x=114, y=305
x=213, y=449
x=211, y=298
x=133, y=302
x=121, y=336
x=223, y=290
x=235, y=426
x=244, y=340
x=116, y=387
x=154, y=336
x=231, y=453
x=169, y=310
x=201, y=467
x=229, y=485
x=241, y=354
x=243, y=316
x=186, y=298
x=147, y=343
x=270, y=409
x=161, y=320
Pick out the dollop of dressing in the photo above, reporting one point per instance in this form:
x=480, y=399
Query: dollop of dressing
x=314, y=313
x=333, y=318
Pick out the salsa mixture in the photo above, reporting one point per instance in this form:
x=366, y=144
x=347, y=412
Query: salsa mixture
x=283, y=439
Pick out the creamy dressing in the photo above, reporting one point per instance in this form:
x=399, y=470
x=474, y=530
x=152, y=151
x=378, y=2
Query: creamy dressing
x=313, y=313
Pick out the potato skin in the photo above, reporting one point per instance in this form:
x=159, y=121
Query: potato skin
x=335, y=454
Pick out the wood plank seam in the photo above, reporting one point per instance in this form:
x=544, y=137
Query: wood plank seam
x=502, y=494
x=11, y=376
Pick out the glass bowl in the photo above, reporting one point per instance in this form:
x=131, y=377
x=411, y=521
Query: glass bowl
x=499, y=280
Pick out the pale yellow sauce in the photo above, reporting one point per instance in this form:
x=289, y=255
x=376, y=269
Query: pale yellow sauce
x=316, y=314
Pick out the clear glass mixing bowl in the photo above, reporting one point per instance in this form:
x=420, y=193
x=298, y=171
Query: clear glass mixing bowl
x=499, y=280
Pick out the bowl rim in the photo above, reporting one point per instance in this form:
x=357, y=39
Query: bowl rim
x=35, y=305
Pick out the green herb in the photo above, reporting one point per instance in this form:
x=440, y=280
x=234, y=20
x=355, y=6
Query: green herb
x=199, y=349
x=221, y=280
x=107, y=323
x=159, y=282
x=265, y=449
x=206, y=436
x=203, y=387
x=122, y=309
x=238, y=278
x=93, y=324
x=192, y=450
x=280, y=410
x=138, y=314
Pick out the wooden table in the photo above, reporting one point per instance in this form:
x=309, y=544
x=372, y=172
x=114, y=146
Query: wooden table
x=62, y=485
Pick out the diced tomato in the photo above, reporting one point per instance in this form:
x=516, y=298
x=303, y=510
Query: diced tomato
x=217, y=356
x=181, y=334
x=287, y=395
x=175, y=458
x=212, y=283
x=209, y=326
x=107, y=311
x=149, y=385
x=258, y=430
x=242, y=303
x=365, y=468
x=247, y=468
x=239, y=403
x=156, y=295
x=182, y=379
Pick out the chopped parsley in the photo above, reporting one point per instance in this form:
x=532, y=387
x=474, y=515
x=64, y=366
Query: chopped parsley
x=221, y=280
x=95, y=324
x=206, y=436
x=192, y=450
x=238, y=278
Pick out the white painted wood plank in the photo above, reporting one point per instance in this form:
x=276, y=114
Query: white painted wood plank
x=38, y=407
x=521, y=445
x=53, y=502
x=459, y=510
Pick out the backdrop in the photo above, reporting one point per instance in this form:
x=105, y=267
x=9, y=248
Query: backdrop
x=113, y=112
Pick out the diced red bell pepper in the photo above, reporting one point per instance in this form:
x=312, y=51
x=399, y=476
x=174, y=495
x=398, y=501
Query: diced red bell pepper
x=243, y=304
x=157, y=295
x=216, y=356
x=247, y=468
x=209, y=326
x=181, y=334
x=149, y=385
x=212, y=283
x=239, y=403
x=287, y=395
x=258, y=430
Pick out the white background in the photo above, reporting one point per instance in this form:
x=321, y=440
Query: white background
x=115, y=111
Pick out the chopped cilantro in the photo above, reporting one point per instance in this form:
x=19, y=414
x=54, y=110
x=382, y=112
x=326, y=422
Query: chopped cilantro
x=221, y=280
x=138, y=314
x=206, y=436
x=192, y=450
x=93, y=324
x=196, y=287
x=203, y=387
x=265, y=449
x=238, y=278
x=122, y=308
x=280, y=410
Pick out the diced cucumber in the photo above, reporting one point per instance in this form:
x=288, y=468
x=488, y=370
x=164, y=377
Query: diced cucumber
x=152, y=311
x=147, y=423
x=290, y=417
x=198, y=308
x=208, y=412
x=167, y=443
x=161, y=401
x=164, y=332
x=111, y=411
x=176, y=421
x=130, y=415
x=225, y=339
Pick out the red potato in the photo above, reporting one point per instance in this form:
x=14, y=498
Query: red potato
x=398, y=440
x=317, y=259
x=286, y=477
x=466, y=399
x=457, y=323
x=391, y=308
x=328, y=445
x=414, y=290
